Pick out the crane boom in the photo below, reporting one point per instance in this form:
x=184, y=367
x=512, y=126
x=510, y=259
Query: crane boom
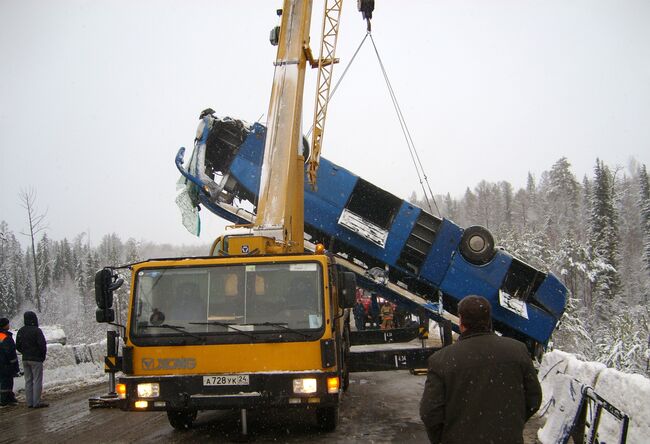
x=325, y=64
x=282, y=179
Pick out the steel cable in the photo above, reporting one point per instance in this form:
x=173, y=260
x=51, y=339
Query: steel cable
x=422, y=177
x=341, y=78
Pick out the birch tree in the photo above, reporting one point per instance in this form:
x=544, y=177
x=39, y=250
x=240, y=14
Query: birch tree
x=36, y=224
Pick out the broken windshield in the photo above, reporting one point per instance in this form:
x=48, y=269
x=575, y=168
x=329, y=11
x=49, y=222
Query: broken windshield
x=237, y=300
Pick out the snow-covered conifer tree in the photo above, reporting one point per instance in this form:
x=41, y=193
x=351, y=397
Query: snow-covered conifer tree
x=562, y=195
x=469, y=213
x=644, y=203
x=29, y=277
x=450, y=208
x=132, y=251
x=91, y=267
x=58, y=269
x=630, y=227
x=507, y=194
x=521, y=209
x=68, y=259
x=44, y=265
x=8, y=297
x=487, y=204
x=603, y=225
x=19, y=274
x=80, y=278
x=11, y=271
x=622, y=342
x=585, y=213
x=110, y=250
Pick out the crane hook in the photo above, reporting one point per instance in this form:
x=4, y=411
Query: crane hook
x=366, y=7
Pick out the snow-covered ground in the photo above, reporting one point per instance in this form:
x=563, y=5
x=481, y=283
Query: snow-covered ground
x=562, y=376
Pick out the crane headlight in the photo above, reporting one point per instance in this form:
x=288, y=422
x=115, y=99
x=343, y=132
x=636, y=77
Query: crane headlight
x=149, y=390
x=304, y=385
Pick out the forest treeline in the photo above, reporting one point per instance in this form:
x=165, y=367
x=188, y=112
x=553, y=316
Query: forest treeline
x=593, y=233
x=64, y=287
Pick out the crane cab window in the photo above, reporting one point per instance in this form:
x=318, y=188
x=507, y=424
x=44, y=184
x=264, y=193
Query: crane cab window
x=219, y=301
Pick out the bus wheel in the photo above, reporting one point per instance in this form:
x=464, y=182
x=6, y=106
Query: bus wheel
x=327, y=418
x=477, y=245
x=181, y=419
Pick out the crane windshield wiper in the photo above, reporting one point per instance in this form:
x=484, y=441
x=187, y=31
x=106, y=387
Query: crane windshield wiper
x=282, y=325
x=227, y=325
x=177, y=328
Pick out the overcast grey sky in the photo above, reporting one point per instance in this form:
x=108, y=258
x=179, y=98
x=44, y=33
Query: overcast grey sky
x=96, y=97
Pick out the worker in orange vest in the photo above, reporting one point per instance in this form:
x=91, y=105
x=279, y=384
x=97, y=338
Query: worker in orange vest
x=8, y=364
x=387, y=313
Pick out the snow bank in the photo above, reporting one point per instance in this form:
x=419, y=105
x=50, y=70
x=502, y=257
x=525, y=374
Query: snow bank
x=54, y=334
x=631, y=394
x=562, y=376
x=68, y=366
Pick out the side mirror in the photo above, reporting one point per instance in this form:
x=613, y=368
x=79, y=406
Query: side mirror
x=274, y=36
x=347, y=289
x=105, y=284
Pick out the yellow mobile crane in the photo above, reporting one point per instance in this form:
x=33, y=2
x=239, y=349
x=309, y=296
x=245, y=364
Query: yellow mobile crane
x=259, y=322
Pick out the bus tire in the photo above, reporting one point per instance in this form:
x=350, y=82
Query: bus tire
x=477, y=245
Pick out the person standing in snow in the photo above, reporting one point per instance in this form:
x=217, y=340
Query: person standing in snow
x=8, y=364
x=482, y=388
x=30, y=342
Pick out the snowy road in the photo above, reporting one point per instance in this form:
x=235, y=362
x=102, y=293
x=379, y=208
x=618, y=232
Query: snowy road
x=379, y=407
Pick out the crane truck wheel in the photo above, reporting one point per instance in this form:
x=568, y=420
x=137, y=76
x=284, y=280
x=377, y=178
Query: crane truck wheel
x=181, y=419
x=477, y=245
x=345, y=358
x=327, y=418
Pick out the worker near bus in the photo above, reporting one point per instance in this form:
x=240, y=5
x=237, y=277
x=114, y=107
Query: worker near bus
x=359, y=313
x=373, y=310
x=399, y=317
x=387, y=314
x=9, y=368
x=482, y=388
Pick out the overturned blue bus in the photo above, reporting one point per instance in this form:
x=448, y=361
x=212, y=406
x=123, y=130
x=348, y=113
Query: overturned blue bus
x=429, y=256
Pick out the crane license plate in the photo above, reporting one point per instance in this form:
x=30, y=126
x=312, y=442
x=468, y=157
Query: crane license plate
x=226, y=380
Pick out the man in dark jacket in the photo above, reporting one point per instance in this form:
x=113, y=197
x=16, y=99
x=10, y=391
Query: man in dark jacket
x=359, y=316
x=8, y=364
x=483, y=388
x=30, y=341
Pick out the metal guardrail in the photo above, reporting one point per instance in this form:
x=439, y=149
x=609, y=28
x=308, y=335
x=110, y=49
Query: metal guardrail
x=588, y=418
